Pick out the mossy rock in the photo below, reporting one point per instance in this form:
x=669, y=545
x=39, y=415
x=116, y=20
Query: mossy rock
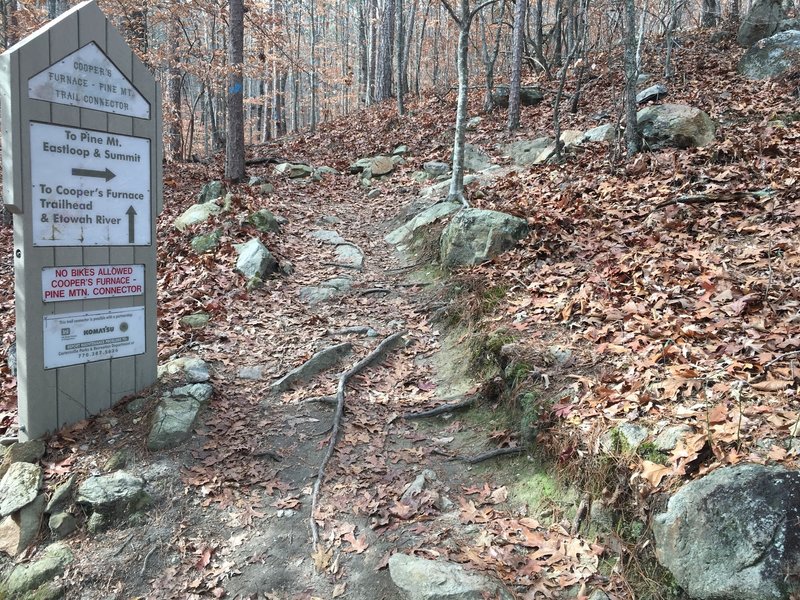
x=196, y=320
x=205, y=242
x=265, y=221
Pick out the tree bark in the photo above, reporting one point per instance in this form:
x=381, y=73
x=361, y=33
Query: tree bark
x=383, y=83
x=515, y=80
x=234, y=142
x=174, y=83
x=399, y=54
x=631, y=130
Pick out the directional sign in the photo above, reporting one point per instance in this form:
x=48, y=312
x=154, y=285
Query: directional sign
x=76, y=338
x=89, y=188
x=87, y=78
x=89, y=282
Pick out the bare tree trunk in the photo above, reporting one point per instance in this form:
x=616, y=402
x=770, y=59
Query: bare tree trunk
x=407, y=43
x=399, y=54
x=174, y=84
x=490, y=57
x=631, y=74
x=710, y=12
x=314, y=67
x=234, y=142
x=515, y=81
x=383, y=84
x=419, y=48
x=363, y=52
x=372, y=54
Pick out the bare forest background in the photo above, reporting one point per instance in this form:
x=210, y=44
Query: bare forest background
x=292, y=65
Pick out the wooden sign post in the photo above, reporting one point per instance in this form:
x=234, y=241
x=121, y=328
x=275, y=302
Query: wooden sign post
x=82, y=176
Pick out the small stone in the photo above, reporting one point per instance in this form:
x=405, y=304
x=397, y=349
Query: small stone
x=198, y=391
x=265, y=221
x=599, y=595
x=381, y=165
x=422, y=579
x=435, y=168
x=29, y=452
x=194, y=369
x=373, y=194
x=254, y=373
x=172, y=423
x=255, y=180
x=196, y=213
x=211, y=191
x=19, y=487
x=327, y=236
x=254, y=259
x=61, y=496
x=667, y=440
x=653, y=93
x=473, y=123
x=62, y=524
x=117, y=461
x=267, y=188
x=349, y=256
x=28, y=577
x=97, y=522
x=116, y=494
x=196, y=320
x=205, y=242
x=625, y=437
x=328, y=220
x=400, y=150
x=286, y=267
x=19, y=531
x=136, y=405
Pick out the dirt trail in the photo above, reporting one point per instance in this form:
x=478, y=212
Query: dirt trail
x=231, y=507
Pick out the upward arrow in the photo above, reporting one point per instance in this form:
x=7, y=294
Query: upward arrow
x=131, y=214
x=108, y=175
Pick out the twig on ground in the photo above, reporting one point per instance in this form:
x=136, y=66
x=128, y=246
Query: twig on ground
x=380, y=351
x=781, y=357
x=122, y=546
x=493, y=454
x=376, y=290
x=581, y=516
x=701, y=199
x=322, y=399
x=144, y=563
x=440, y=410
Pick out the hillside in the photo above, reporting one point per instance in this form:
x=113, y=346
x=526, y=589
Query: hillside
x=658, y=292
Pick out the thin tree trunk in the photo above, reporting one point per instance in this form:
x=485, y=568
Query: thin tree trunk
x=174, y=84
x=516, y=64
x=631, y=129
x=383, y=88
x=234, y=142
x=399, y=54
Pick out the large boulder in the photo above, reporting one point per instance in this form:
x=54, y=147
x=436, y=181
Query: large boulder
x=423, y=579
x=28, y=577
x=674, y=125
x=172, y=424
x=197, y=213
x=476, y=159
x=733, y=534
x=528, y=95
x=761, y=21
x=772, y=57
x=19, y=486
x=474, y=236
x=254, y=259
x=525, y=152
x=420, y=222
x=117, y=494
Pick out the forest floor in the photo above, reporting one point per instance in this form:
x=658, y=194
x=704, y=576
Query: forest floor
x=672, y=313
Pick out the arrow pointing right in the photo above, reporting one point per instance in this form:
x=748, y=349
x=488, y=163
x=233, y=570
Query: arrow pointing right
x=108, y=175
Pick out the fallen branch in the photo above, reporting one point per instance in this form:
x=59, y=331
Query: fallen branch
x=380, y=351
x=701, y=199
x=377, y=290
x=322, y=399
x=440, y=410
x=264, y=160
x=492, y=454
x=144, y=563
x=781, y=357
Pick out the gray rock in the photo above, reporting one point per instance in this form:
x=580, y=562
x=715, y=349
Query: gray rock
x=760, y=22
x=61, y=525
x=400, y=150
x=327, y=171
x=264, y=221
x=422, y=579
x=98, y=522
x=172, y=423
x=440, y=190
x=416, y=487
x=601, y=133
x=196, y=213
x=373, y=194
x=772, y=57
x=254, y=180
x=28, y=577
x=205, y=242
x=117, y=461
x=599, y=595
x=350, y=256
x=19, y=531
x=476, y=159
x=325, y=291
x=319, y=362
x=328, y=220
x=653, y=93
x=525, y=152
x=626, y=437
x=360, y=165
x=474, y=236
x=267, y=188
x=528, y=96
x=197, y=391
x=29, y=452
x=435, y=168
x=424, y=219
x=254, y=259
x=116, y=494
x=136, y=405
x=19, y=487
x=254, y=373
x=473, y=122
x=293, y=171
x=675, y=125
x=195, y=370
x=669, y=438
x=327, y=236
x=381, y=165
x=196, y=320
x=643, y=78
x=211, y=191
x=733, y=534
x=62, y=496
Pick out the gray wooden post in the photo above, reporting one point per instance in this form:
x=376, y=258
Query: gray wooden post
x=82, y=158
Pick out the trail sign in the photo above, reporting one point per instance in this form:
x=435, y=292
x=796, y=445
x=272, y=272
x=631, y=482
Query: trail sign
x=82, y=177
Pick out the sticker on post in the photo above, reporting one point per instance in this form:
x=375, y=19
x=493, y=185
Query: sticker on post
x=78, y=338
x=91, y=282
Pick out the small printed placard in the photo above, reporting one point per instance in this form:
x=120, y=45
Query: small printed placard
x=77, y=338
x=91, y=282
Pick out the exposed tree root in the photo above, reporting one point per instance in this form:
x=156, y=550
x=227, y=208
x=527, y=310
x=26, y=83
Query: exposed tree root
x=376, y=290
x=378, y=354
x=357, y=330
x=440, y=410
x=492, y=454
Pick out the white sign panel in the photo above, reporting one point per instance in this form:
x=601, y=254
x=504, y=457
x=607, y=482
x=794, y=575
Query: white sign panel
x=87, y=78
x=77, y=338
x=89, y=188
x=92, y=282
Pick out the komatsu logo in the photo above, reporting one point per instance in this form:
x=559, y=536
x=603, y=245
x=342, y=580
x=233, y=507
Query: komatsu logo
x=98, y=330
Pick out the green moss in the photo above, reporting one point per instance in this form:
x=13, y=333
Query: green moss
x=492, y=297
x=618, y=442
x=532, y=411
x=648, y=451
